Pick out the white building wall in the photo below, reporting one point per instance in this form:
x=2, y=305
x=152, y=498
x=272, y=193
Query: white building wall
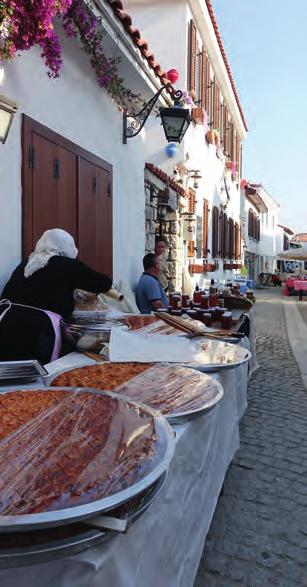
x=75, y=107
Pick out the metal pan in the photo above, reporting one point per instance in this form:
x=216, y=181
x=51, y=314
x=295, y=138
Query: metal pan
x=216, y=356
x=181, y=415
x=33, y=548
x=25, y=522
x=23, y=370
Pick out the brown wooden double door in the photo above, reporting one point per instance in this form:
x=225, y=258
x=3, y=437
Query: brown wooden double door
x=66, y=187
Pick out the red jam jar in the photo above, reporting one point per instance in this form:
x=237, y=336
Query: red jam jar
x=185, y=301
x=213, y=300
x=176, y=312
x=197, y=297
x=192, y=314
x=227, y=320
x=204, y=302
x=207, y=319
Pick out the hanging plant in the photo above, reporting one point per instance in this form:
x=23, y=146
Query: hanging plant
x=28, y=23
x=81, y=23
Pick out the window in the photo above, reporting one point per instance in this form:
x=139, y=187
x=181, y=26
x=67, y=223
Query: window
x=253, y=226
x=215, y=231
x=192, y=58
x=205, y=228
x=205, y=81
x=237, y=241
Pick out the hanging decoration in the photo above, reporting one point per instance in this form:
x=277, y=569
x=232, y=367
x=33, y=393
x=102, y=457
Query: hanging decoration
x=171, y=150
x=172, y=75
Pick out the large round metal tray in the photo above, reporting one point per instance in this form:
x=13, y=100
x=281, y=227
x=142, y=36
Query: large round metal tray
x=25, y=522
x=216, y=356
x=150, y=379
x=45, y=545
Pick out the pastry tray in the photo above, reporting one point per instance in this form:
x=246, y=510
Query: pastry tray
x=33, y=547
x=23, y=370
x=71, y=514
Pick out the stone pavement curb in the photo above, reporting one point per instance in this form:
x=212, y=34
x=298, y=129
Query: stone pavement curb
x=297, y=335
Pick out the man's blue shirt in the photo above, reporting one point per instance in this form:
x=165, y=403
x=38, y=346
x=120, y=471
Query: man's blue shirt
x=149, y=289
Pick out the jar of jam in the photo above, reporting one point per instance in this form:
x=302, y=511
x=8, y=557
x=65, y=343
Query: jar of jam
x=204, y=304
x=192, y=314
x=207, y=319
x=175, y=301
x=197, y=297
x=176, y=312
x=227, y=320
x=221, y=303
x=185, y=301
x=213, y=300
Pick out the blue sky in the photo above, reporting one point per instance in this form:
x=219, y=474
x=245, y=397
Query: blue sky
x=266, y=43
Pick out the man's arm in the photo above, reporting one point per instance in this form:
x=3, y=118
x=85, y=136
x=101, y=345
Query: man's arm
x=155, y=304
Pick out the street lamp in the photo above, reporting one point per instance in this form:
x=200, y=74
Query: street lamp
x=7, y=111
x=175, y=120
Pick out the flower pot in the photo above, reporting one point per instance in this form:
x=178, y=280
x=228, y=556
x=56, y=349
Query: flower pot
x=198, y=115
x=213, y=137
x=195, y=268
x=209, y=267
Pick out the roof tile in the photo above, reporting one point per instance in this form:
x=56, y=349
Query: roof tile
x=167, y=179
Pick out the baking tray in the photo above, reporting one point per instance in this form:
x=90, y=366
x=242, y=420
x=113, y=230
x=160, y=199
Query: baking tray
x=24, y=370
x=25, y=522
x=218, y=356
x=32, y=548
x=171, y=417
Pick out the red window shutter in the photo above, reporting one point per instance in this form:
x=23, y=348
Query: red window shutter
x=237, y=241
x=226, y=131
x=231, y=238
x=205, y=81
x=205, y=227
x=223, y=235
x=192, y=201
x=216, y=105
x=191, y=248
x=231, y=142
x=215, y=231
x=192, y=57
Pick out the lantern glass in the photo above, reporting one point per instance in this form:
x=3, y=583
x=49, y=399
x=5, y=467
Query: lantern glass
x=7, y=111
x=176, y=122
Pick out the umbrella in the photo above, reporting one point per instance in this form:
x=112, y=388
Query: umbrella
x=293, y=255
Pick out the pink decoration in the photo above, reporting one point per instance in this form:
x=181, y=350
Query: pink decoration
x=243, y=184
x=172, y=75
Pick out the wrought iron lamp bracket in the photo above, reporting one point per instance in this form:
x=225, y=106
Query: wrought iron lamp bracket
x=138, y=121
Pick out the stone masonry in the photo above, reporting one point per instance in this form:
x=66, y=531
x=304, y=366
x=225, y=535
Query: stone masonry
x=258, y=536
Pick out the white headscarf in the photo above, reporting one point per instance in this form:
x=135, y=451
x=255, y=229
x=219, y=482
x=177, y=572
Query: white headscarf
x=53, y=242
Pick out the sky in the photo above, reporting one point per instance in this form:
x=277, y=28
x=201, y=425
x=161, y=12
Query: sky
x=266, y=44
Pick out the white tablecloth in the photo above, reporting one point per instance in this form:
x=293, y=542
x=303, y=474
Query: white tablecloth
x=163, y=548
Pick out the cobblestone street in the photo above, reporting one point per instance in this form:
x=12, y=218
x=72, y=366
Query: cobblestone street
x=258, y=535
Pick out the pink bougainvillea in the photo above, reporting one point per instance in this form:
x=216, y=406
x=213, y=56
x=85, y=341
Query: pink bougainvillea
x=26, y=23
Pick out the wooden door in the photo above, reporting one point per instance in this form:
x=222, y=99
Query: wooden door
x=66, y=187
x=95, y=216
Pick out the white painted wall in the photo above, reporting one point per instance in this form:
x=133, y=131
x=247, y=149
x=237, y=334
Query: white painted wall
x=78, y=109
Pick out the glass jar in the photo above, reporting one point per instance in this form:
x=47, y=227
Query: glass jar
x=204, y=302
x=227, y=320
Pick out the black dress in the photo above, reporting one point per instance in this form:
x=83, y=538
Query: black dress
x=27, y=333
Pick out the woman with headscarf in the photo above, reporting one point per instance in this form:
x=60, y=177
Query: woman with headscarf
x=40, y=293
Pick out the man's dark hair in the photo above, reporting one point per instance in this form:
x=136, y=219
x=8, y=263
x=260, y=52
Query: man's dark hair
x=161, y=239
x=149, y=261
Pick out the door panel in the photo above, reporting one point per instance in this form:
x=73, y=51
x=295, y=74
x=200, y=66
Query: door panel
x=67, y=187
x=95, y=216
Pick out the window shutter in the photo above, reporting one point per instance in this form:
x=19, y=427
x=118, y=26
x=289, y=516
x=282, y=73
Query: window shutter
x=237, y=241
x=231, y=238
x=215, y=231
x=238, y=155
x=205, y=81
x=223, y=235
x=205, y=227
x=191, y=248
x=192, y=57
x=216, y=105
x=226, y=131
x=231, y=142
x=192, y=201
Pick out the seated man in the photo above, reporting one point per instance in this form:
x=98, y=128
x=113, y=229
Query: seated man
x=150, y=294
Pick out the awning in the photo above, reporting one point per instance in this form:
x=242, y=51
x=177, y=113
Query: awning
x=254, y=198
x=286, y=229
x=293, y=255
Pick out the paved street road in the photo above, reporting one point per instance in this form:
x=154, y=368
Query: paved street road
x=258, y=536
